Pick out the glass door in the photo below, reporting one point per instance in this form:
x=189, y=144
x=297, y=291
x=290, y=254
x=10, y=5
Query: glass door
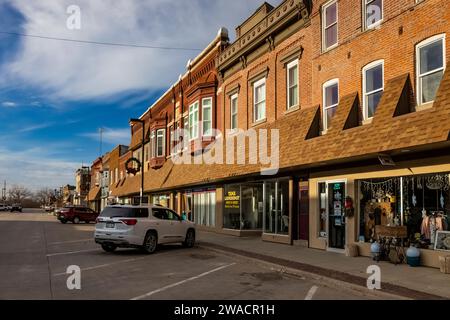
x=336, y=218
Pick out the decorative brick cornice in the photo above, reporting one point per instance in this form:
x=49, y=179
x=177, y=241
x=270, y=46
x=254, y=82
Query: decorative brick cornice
x=262, y=32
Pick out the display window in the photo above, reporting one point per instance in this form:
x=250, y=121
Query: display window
x=419, y=204
x=200, y=207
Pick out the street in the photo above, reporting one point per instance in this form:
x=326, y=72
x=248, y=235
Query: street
x=35, y=251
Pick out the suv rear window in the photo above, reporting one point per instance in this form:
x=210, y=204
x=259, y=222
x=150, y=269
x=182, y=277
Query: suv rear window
x=116, y=212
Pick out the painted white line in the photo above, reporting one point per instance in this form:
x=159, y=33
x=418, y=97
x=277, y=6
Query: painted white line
x=311, y=293
x=102, y=266
x=181, y=282
x=70, y=252
x=72, y=241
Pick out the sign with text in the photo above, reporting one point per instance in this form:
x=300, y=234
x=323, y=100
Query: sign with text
x=232, y=200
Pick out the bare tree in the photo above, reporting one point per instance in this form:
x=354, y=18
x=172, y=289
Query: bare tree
x=17, y=194
x=44, y=196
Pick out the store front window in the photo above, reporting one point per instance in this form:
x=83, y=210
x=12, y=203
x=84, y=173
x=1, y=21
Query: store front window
x=161, y=199
x=277, y=207
x=199, y=206
x=249, y=206
x=419, y=204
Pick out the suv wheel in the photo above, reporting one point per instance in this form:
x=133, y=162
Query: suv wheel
x=76, y=220
x=109, y=247
x=190, y=239
x=150, y=242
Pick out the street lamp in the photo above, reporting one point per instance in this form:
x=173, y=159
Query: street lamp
x=142, y=157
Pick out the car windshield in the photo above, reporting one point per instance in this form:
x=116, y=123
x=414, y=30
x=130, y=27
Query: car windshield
x=114, y=212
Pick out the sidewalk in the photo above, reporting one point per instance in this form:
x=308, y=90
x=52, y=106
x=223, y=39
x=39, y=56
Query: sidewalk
x=401, y=280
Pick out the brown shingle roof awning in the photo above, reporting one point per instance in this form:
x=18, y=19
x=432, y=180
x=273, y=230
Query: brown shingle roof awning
x=94, y=194
x=395, y=127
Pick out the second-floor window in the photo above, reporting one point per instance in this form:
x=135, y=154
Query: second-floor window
x=160, y=142
x=373, y=13
x=153, y=143
x=330, y=25
x=116, y=175
x=259, y=100
x=193, y=121
x=430, y=56
x=373, y=86
x=207, y=116
x=330, y=101
x=234, y=112
x=292, y=84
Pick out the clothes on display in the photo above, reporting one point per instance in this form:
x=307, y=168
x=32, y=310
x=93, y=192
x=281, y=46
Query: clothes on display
x=432, y=223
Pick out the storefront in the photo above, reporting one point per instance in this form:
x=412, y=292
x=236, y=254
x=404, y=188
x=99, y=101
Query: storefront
x=161, y=199
x=407, y=197
x=261, y=207
x=199, y=206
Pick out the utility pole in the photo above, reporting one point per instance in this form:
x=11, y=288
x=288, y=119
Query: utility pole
x=101, y=140
x=4, y=192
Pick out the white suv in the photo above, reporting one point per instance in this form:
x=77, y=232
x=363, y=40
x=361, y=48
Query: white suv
x=144, y=227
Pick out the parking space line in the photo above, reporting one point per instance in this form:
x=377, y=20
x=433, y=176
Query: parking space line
x=102, y=266
x=70, y=252
x=72, y=241
x=311, y=292
x=181, y=282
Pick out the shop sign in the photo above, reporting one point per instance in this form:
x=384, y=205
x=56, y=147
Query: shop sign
x=232, y=200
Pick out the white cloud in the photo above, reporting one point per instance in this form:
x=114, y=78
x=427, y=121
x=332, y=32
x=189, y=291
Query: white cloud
x=35, y=168
x=9, y=104
x=112, y=136
x=81, y=71
x=35, y=127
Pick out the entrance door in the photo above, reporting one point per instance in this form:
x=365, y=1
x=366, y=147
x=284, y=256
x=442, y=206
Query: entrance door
x=336, y=219
x=303, y=211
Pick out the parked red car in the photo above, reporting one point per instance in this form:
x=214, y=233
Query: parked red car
x=77, y=214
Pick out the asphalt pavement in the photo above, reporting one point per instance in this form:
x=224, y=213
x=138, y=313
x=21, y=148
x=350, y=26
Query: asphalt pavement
x=36, y=252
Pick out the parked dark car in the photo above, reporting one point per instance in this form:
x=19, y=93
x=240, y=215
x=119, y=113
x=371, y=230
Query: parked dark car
x=77, y=214
x=16, y=207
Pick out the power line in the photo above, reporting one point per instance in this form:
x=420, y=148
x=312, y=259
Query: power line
x=98, y=42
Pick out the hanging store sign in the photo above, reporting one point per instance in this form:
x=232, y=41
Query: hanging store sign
x=232, y=200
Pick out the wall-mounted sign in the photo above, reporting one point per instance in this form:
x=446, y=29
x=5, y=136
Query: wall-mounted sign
x=232, y=200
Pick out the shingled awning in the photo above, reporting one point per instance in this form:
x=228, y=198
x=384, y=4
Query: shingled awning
x=94, y=194
x=395, y=127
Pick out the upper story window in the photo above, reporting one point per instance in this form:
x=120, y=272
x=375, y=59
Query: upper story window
x=330, y=101
x=193, y=121
x=259, y=100
x=153, y=143
x=330, y=25
x=292, y=84
x=234, y=112
x=121, y=175
x=160, y=142
x=116, y=175
x=373, y=86
x=207, y=116
x=430, y=57
x=373, y=13
x=111, y=181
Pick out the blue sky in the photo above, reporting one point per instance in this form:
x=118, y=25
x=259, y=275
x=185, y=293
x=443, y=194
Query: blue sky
x=54, y=95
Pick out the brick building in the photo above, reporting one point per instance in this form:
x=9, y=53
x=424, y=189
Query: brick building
x=359, y=94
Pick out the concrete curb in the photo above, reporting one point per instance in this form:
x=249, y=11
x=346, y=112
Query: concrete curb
x=297, y=268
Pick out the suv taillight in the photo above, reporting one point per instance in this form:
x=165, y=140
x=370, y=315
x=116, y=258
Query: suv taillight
x=129, y=222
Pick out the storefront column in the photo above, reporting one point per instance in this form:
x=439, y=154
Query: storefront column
x=352, y=223
x=219, y=208
x=179, y=201
x=291, y=208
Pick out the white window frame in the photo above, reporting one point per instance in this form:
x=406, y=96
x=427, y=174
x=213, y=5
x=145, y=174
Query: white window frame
x=424, y=43
x=193, y=125
x=324, y=27
x=257, y=84
x=161, y=133
x=203, y=117
x=234, y=97
x=153, y=144
x=366, y=94
x=373, y=25
x=327, y=84
x=290, y=66
x=116, y=175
